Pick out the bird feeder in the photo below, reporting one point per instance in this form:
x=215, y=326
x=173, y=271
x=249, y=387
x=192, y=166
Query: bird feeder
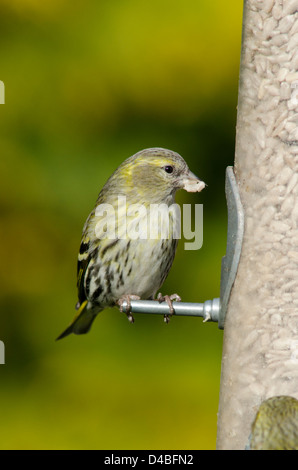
x=260, y=351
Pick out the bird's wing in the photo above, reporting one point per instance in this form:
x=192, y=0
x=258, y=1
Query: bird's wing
x=83, y=263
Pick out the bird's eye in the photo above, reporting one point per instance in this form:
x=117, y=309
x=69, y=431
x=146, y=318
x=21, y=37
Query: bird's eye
x=169, y=169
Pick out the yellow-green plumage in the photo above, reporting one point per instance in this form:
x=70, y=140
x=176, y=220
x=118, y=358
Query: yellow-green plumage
x=276, y=425
x=111, y=262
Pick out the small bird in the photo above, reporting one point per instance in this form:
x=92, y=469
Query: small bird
x=276, y=425
x=120, y=259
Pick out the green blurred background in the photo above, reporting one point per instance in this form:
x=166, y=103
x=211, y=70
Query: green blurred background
x=87, y=85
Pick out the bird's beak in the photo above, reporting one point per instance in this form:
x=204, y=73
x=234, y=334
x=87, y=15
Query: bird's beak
x=192, y=184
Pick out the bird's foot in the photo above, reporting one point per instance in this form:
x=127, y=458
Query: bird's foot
x=168, y=299
x=127, y=298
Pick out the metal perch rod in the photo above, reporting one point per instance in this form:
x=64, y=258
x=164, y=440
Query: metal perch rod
x=208, y=310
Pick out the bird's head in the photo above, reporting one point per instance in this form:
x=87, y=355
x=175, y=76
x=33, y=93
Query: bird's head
x=153, y=176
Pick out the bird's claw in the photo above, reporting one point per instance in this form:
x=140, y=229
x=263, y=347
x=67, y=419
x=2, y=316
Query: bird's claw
x=127, y=298
x=168, y=299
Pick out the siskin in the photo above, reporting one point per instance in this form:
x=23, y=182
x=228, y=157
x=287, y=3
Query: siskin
x=118, y=261
x=276, y=425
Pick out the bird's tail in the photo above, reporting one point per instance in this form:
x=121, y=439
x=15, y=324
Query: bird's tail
x=81, y=323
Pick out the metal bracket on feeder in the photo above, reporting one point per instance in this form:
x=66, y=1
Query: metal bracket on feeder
x=230, y=262
x=211, y=310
